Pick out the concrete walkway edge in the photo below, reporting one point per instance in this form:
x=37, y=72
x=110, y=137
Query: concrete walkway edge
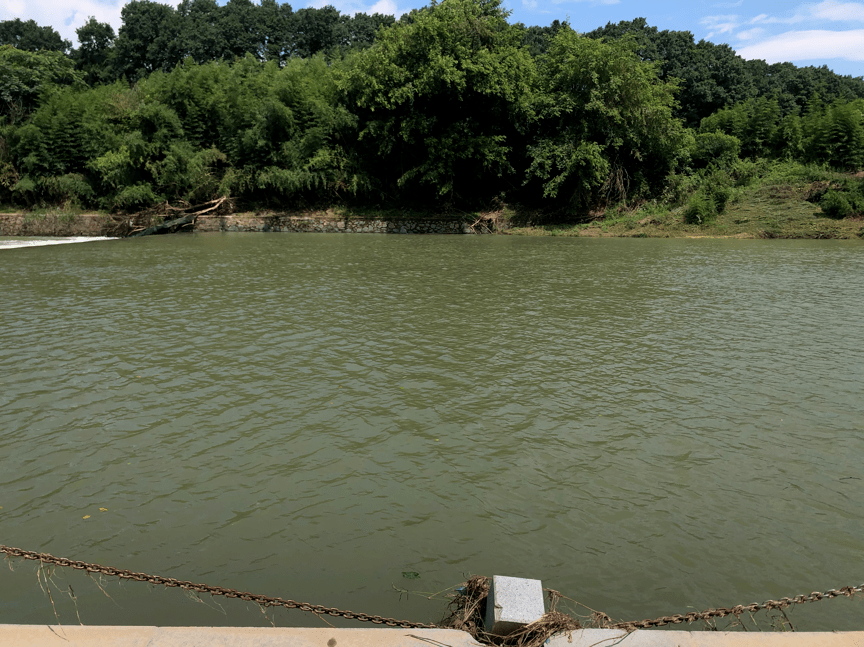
x=109, y=636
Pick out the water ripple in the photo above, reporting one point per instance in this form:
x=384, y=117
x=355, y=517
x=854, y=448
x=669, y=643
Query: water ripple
x=646, y=425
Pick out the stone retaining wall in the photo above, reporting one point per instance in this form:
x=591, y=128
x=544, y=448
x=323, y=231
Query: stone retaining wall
x=331, y=224
x=99, y=225
x=16, y=224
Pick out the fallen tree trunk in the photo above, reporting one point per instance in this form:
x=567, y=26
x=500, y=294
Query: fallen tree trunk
x=177, y=222
x=182, y=221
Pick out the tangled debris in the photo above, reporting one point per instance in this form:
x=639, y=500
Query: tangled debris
x=468, y=610
x=164, y=218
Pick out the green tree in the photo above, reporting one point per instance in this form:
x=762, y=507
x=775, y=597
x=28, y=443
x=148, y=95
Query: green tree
x=148, y=40
x=275, y=39
x=319, y=30
x=281, y=132
x=606, y=124
x=26, y=78
x=239, y=21
x=754, y=123
x=794, y=87
x=50, y=152
x=31, y=37
x=537, y=39
x=836, y=135
x=94, y=56
x=364, y=28
x=714, y=149
x=711, y=76
x=440, y=96
x=788, y=138
x=201, y=32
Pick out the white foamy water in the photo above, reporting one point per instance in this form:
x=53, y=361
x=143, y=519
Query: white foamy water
x=13, y=243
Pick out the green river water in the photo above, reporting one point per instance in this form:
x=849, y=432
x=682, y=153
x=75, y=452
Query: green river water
x=647, y=426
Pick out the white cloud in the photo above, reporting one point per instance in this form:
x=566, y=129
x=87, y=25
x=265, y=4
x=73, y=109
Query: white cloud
x=387, y=7
x=826, y=10
x=842, y=11
x=808, y=45
x=750, y=34
x=67, y=15
x=724, y=24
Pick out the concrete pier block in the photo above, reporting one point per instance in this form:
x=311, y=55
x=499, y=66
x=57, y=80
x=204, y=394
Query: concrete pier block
x=513, y=602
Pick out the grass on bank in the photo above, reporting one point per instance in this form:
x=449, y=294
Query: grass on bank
x=65, y=212
x=765, y=200
x=748, y=200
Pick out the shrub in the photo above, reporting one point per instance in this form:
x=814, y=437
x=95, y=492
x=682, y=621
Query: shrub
x=679, y=186
x=835, y=205
x=715, y=149
x=744, y=172
x=701, y=208
x=69, y=188
x=721, y=195
x=836, y=137
x=137, y=196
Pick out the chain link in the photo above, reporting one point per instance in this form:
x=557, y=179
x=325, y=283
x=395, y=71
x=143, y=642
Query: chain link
x=722, y=612
x=317, y=609
x=263, y=600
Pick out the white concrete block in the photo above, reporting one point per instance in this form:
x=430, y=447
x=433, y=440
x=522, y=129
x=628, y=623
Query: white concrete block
x=513, y=602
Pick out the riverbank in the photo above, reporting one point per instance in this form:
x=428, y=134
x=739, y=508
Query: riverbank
x=764, y=209
x=59, y=223
x=766, y=214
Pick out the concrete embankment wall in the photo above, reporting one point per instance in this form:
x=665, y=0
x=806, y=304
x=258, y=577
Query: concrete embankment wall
x=102, y=636
x=332, y=224
x=101, y=225
x=16, y=224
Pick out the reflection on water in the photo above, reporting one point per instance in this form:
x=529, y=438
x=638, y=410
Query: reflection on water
x=39, y=241
x=648, y=426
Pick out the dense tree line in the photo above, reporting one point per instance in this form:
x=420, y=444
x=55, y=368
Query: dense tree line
x=156, y=36
x=450, y=104
x=714, y=76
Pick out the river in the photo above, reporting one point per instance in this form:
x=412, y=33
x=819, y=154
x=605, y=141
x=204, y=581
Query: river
x=647, y=426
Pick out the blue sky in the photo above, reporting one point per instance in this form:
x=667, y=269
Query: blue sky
x=806, y=33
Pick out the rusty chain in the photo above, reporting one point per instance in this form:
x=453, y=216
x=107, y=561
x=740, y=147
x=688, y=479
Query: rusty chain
x=317, y=609
x=738, y=610
x=263, y=600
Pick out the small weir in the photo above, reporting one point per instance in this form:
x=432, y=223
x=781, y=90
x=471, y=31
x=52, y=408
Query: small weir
x=15, y=243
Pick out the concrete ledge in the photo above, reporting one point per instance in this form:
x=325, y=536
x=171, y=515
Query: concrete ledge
x=612, y=637
x=102, y=636
x=106, y=636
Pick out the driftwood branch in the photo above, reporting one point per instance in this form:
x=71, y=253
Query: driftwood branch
x=183, y=221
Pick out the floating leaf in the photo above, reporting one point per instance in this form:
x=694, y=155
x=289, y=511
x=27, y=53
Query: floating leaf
x=86, y=516
x=411, y=575
x=103, y=509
